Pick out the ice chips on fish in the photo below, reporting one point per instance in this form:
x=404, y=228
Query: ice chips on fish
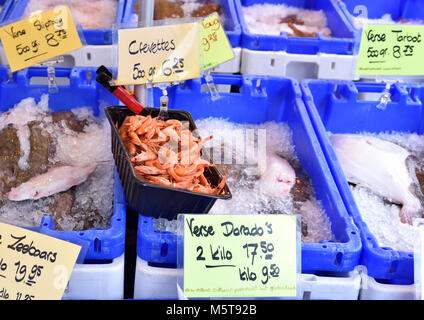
x=380, y=166
x=55, y=180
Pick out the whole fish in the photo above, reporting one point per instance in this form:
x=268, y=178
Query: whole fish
x=278, y=178
x=55, y=180
x=380, y=166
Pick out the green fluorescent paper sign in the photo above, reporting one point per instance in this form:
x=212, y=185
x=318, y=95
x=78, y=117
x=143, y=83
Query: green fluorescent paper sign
x=391, y=50
x=216, y=47
x=240, y=255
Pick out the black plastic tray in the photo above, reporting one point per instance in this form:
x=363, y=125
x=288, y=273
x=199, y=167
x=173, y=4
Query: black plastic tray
x=151, y=199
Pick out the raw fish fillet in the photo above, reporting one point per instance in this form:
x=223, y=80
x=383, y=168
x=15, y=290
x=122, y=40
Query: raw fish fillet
x=55, y=180
x=379, y=166
x=279, y=177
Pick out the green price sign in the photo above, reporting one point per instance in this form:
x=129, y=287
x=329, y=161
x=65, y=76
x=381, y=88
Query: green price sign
x=240, y=255
x=392, y=50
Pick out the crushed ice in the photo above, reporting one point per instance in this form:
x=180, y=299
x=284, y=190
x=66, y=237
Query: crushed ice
x=93, y=204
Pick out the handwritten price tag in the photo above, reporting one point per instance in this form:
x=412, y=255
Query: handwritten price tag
x=158, y=54
x=34, y=266
x=216, y=47
x=240, y=256
x=39, y=38
x=391, y=50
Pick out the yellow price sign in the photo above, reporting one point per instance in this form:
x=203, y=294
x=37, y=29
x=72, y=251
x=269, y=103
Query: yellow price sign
x=240, y=255
x=39, y=38
x=34, y=266
x=158, y=54
x=392, y=50
x=216, y=47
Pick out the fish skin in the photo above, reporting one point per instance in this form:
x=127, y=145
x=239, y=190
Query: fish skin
x=278, y=178
x=379, y=166
x=55, y=180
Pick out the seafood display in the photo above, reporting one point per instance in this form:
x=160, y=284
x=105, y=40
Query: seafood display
x=385, y=175
x=166, y=152
x=57, y=164
x=174, y=9
x=263, y=173
x=272, y=19
x=93, y=14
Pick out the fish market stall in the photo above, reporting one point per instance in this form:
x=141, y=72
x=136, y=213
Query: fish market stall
x=142, y=112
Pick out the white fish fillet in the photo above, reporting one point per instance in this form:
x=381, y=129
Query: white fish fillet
x=55, y=180
x=279, y=177
x=379, y=166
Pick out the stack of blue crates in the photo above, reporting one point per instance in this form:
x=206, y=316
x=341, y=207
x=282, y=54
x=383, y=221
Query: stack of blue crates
x=258, y=100
x=98, y=245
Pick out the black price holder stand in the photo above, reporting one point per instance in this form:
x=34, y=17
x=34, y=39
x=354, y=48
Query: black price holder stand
x=238, y=256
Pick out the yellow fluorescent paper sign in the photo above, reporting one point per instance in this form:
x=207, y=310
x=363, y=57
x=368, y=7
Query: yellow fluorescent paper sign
x=216, y=47
x=393, y=50
x=39, y=38
x=34, y=266
x=240, y=255
x=158, y=54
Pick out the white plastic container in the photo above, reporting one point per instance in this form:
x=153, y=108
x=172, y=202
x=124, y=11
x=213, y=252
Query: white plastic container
x=298, y=66
x=372, y=290
x=231, y=66
x=161, y=283
x=97, y=281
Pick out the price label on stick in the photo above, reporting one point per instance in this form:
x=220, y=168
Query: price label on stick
x=39, y=38
x=240, y=255
x=392, y=50
x=34, y=266
x=158, y=54
x=216, y=47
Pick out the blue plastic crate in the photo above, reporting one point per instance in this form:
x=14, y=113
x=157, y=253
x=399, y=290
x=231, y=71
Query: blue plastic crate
x=14, y=9
x=407, y=9
x=342, y=42
x=231, y=26
x=262, y=99
x=97, y=244
x=334, y=106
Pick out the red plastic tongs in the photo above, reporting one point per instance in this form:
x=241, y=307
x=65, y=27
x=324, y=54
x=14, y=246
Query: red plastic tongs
x=124, y=94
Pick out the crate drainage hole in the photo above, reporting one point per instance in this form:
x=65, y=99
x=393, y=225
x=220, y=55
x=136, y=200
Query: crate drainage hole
x=164, y=249
x=339, y=257
x=307, y=295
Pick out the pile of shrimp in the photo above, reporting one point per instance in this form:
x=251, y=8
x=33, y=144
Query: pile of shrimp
x=166, y=153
